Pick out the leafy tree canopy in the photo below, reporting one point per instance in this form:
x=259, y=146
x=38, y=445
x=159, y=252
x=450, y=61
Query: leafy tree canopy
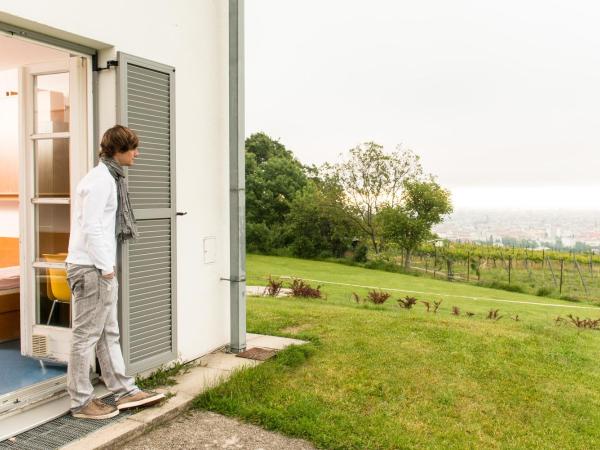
x=273, y=178
x=263, y=147
x=409, y=224
x=371, y=179
x=318, y=224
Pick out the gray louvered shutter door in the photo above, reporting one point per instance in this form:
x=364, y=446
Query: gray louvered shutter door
x=148, y=283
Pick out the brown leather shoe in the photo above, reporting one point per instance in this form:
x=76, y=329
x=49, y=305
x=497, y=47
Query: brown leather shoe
x=141, y=398
x=96, y=409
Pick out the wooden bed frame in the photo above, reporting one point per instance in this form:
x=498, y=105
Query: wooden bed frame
x=10, y=315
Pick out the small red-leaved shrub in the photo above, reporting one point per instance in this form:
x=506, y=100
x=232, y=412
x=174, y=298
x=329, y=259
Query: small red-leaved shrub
x=493, y=314
x=378, y=297
x=592, y=324
x=430, y=308
x=407, y=302
x=301, y=288
x=273, y=287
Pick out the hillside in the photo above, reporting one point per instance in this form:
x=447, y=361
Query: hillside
x=385, y=377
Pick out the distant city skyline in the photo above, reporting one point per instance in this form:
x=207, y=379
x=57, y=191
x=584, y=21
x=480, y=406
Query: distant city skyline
x=539, y=226
x=491, y=95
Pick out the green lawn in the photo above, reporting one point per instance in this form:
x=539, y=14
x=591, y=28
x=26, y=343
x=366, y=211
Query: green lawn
x=383, y=377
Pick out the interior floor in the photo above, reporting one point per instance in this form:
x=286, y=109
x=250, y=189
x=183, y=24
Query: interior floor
x=18, y=371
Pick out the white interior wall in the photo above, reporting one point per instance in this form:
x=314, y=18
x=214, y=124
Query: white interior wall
x=9, y=153
x=192, y=36
x=18, y=52
x=9, y=218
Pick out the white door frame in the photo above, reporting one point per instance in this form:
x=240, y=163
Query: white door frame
x=80, y=160
x=29, y=395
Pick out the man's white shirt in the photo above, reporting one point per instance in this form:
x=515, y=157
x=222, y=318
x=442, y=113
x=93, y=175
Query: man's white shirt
x=93, y=240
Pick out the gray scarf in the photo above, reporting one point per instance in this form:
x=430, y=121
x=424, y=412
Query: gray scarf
x=125, y=224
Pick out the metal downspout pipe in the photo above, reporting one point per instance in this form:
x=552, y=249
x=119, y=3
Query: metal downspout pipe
x=237, y=167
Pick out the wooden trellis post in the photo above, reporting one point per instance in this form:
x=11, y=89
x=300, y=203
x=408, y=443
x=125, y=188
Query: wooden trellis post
x=562, y=263
x=543, y=267
x=468, y=266
x=552, y=272
x=527, y=266
x=580, y=275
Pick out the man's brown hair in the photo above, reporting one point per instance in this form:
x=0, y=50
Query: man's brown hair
x=118, y=139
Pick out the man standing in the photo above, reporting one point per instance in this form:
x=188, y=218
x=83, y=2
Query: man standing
x=101, y=215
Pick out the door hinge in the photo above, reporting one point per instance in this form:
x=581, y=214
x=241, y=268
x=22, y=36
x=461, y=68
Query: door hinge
x=110, y=63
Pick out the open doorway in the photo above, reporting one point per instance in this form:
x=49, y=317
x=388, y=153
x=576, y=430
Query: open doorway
x=38, y=135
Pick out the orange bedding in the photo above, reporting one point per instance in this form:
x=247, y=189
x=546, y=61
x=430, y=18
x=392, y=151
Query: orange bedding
x=9, y=251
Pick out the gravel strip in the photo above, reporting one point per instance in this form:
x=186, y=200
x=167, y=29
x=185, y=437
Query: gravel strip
x=207, y=430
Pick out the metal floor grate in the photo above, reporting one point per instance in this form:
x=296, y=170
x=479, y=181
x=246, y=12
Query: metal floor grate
x=257, y=353
x=60, y=432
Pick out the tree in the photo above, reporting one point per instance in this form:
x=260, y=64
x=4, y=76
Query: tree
x=409, y=224
x=263, y=147
x=273, y=178
x=318, y=224
x=370, y=179
x=271, y=189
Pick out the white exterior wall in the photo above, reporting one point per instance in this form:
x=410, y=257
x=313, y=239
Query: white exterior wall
x=192, y=36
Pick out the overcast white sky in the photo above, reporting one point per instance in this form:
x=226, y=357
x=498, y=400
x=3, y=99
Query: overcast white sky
x=500, y=98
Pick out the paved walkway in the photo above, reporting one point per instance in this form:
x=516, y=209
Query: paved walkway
x=194, y=429
x=260, y=291
x=206, y=430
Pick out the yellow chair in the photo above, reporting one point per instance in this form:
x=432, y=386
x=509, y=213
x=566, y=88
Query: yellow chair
x=57, y=287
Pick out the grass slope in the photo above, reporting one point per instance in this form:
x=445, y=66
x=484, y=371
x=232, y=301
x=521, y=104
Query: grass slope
x=381, y=377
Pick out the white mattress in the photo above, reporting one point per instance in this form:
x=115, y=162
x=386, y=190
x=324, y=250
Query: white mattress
x=9, y=278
